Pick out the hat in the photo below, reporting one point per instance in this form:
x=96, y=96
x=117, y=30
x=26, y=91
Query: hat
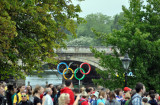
x=127, y=89
x=96, y=94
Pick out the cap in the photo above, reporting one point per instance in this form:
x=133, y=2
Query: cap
x=96, y=94
x=127, y=89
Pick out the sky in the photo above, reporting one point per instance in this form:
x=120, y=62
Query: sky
x=106, y=7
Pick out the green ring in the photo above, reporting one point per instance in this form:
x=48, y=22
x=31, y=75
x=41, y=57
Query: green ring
x=76, y=76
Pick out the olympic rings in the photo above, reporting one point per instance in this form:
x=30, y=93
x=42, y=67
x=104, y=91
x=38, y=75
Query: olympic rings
x=88, y=70
x=75, y=72
x=59, y=65
x=65, y=72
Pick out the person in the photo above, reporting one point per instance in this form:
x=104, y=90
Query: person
x=9, y=94
x=18, y=98
x=37, y=92
x=157, y=97
x=57, y=95
x=145, y=101
x=2, y=98
x=24, y=100
x=94, y=98
x=64, y=99
x=29, y=92
x=152, y=100
x=47, y=100
x=68, y=90
x=54, y=93
x=14, y=93
x=83, y=100
x=133, y=92
x=127, y=97
x=137, y=98
x=89, y=91
x=102, y=97
x=112, y=99
x=119, y=95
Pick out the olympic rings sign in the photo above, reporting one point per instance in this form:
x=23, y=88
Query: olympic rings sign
x=73, y=72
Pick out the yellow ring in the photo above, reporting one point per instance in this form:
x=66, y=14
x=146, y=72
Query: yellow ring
x=65, y=71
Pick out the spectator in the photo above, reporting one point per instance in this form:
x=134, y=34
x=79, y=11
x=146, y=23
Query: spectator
x=64, y=99
x=18, y=98
x=119, y=94
x=102, y=97
x=9, y=94
x=137, y=98
x=2, y=98
x=47, y=99
x=112, y=99
x=14, y=93
x=24, y=100
x=152, y=101
x=68, y=90
x=37, y=92
x=84, y=96
x=145, y=101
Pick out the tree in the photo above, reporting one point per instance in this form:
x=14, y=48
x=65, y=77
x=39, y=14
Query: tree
x=100, y=22
x=82, y=41
x=30, y=30
x=116, y=22
x=140, y=37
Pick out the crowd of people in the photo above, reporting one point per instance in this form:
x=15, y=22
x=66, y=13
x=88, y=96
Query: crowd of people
x=67, y=95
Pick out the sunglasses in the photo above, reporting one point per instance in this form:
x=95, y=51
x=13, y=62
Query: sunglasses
x=23, y=95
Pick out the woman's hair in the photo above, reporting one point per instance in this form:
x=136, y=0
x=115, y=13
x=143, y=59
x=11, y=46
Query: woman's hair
x=111, y=95
x=127, y=95
x=54, y=91
x=84, y=93
x=36, y=89
x=102, y=94
x=63, y=98
x=117, y=91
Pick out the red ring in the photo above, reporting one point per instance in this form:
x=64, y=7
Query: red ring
x=88, y=70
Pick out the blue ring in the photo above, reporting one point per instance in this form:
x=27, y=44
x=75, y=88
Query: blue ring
x=61, y=64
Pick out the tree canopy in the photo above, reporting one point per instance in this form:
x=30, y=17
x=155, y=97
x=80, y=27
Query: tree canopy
x=30, y=30
x=99, y=22
x=140, y=38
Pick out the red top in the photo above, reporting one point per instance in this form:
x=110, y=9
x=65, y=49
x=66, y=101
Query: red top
x=70, y=92
x=85, y=101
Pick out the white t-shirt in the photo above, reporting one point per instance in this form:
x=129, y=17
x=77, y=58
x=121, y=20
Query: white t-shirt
x=48, y=100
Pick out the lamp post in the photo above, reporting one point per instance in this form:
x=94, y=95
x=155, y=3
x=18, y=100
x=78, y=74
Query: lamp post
x=126, y=61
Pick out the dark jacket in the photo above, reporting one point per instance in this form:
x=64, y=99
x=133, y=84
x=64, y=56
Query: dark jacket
x=25, y=103
x=2, y=100
x=153, y=102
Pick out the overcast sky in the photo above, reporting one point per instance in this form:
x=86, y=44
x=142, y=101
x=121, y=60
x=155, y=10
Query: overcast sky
x=106, y=7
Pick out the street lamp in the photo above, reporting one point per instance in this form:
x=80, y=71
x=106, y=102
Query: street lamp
x=126, y=61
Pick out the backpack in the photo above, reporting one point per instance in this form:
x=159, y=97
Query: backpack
x=80, y=102
x=130, y=102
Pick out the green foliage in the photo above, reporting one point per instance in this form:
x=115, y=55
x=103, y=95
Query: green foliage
x=140, y=37
x=81, y=41
x=30, y=30
x=99, y=22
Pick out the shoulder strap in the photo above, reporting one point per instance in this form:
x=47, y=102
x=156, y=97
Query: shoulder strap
x=130, y=102
x=17, y=98
x=79, y=103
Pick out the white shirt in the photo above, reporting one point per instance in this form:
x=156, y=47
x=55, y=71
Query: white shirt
x=48, y=100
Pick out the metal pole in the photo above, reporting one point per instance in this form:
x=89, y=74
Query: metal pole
x=125, y=79
x=79, y=85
